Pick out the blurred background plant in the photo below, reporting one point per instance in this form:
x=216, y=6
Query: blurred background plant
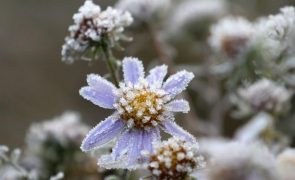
x=241, y=52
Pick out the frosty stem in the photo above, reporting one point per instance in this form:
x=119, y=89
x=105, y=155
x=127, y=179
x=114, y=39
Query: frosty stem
x=109, y=58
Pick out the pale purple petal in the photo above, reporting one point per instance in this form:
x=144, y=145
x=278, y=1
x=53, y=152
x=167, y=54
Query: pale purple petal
x=133, y=70
x=150, y=137
x=123, y=144
x=157, y=75
x=103, y=133
x=178, y=82
x=136, y=146
x=173, y=129
x=178, y=105
x=100, y=91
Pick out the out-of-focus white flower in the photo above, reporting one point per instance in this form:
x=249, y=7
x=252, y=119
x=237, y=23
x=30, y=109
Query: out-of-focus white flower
x=277, y=32
x=265, y=95
x=191, y=12
x=93, y=27
x=231, y=35
x=144, y=10
x=254, y=128
x=241, y=161
x=174, y=159
x=64, y=130
x=286, y=164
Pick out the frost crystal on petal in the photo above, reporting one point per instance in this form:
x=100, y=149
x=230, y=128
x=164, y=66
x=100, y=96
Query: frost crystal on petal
x=178, y=82
x=133, y=70
x=179, y=105
x=104, y=132
x=100, y=91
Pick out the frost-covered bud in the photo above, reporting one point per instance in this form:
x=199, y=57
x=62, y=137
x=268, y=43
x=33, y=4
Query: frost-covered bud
x=277, y=33
x=265, y=95
x=174, y=159
x=144, y=10
x=231, y=35
x=93, y=28
x=243, y=161
x=286, y=164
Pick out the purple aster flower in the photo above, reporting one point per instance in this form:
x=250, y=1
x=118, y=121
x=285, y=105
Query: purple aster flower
x=142, y=106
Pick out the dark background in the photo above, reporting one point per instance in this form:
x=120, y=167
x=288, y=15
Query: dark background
x=34, y=84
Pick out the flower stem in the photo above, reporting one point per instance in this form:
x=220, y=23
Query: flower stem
x=110, y=63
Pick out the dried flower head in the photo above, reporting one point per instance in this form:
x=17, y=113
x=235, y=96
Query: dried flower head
x=143, y=106
x=265, y=95
x=93, y=28
x=286, y=164
x=242, y=161
x=174, y=159
x=231, y=35
x=144, y=10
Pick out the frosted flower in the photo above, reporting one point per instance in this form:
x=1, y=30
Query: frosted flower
x=190, y=12
x=143, y=106
x=143, y=10
x=92, y=28
x=278, y=32
x=241, y=161
x=265, y=95
x=231, y=35
x=174, y=159
x=64, y=130
x=286, y=164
